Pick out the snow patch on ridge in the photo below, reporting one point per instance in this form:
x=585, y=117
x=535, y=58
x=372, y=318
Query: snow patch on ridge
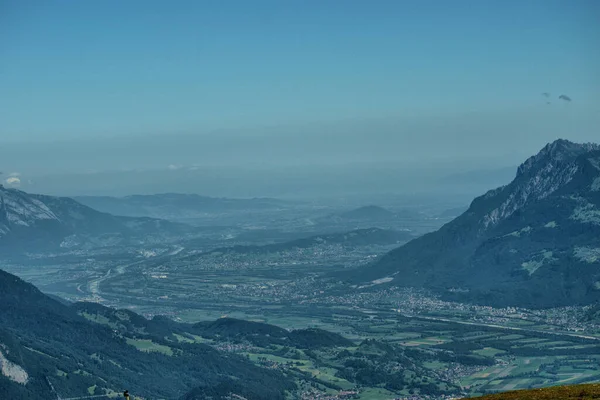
x=587, y=254
x=11, y=370
x=25, y=211
x=537, y=261
x=586, y=212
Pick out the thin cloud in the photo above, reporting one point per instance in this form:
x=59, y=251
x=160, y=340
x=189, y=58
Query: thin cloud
x=13, y=181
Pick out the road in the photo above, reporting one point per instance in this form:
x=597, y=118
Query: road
x=93, y=286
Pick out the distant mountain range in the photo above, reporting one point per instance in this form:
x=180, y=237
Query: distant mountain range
x=176, y=206
x=534, y=242
x=32, y=221
x=262, y=334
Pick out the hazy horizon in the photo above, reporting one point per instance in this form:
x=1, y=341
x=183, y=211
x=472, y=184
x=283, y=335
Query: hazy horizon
x=426, y=89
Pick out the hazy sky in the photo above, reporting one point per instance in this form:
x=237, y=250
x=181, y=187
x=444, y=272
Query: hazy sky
x=91, y=86
x=106, y=68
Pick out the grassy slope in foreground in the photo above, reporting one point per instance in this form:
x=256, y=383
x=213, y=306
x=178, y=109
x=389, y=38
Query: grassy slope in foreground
x=583, y=392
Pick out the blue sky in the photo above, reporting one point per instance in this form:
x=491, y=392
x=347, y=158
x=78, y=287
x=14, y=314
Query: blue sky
x=91, y=69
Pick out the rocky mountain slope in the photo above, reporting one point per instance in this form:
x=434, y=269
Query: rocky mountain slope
x=32, y=221
x=534, y=242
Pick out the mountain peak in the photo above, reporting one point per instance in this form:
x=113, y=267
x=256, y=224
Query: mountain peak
x=557, y=152
x=555, y=166
x=33, y=221
x=506, y=249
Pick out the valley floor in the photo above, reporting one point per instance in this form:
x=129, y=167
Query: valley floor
x=477, y=349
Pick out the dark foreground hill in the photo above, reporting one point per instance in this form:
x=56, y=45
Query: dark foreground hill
x=53, y=350
x=47, y=347
x=534, y=242
x=574, y=392
x=262, y=334
x=50, y=349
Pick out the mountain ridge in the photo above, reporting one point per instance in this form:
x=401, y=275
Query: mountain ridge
x=35, y=221
x=51, y=348
x=520, y=244
x=176, y=205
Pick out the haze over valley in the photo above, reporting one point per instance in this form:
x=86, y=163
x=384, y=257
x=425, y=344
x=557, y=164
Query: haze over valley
x=299, y=200
x=392, y=279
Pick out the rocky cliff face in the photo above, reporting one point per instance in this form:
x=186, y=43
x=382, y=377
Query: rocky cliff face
x=555, y=166
x=534, y=242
